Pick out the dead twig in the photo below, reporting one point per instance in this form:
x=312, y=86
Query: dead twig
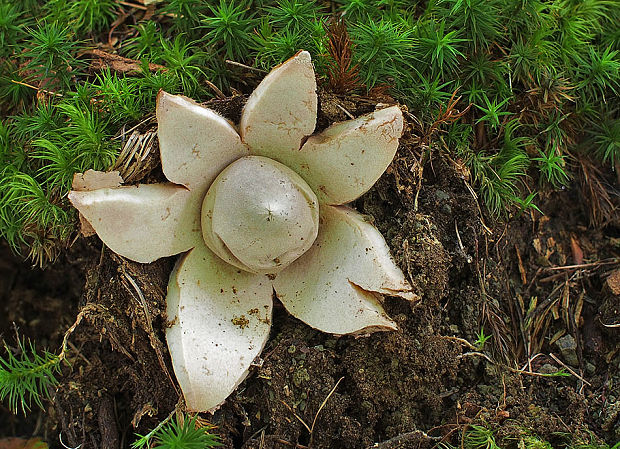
x=472, y=192
x=610, y=261
x=524, y=371
x=288, y=443
x=460, y=242
x=476, y=353
x=118, y=22
x=460, y=340
x=247, y=67
x=218, y=93
x=347, y=113
x=521, y=266
x=568, y=368
x=78, y=352
x=310, y=429
x=444, y=117
x=400, y=440
x=38, y=89
x=132, y=5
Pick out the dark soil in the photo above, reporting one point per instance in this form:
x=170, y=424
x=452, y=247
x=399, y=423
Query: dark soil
x=403, y=389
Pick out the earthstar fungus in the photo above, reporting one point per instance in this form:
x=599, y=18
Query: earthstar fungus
x=258, y=210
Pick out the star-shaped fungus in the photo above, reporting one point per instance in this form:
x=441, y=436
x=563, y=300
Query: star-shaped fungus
x=258, y=209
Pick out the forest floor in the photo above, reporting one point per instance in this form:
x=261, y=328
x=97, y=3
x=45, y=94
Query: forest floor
x=545, y=288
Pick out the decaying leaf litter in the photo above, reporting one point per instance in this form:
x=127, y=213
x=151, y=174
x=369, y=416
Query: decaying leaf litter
x=436, y=385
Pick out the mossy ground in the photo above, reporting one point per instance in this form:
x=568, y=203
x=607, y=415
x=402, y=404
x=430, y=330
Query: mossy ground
x=413, y=388
x=459, y=206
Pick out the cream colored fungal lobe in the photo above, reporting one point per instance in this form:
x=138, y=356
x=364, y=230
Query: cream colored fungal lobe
x=195, y=143
x=144, y=222
x=220, y=318
x=259, y=215
x=244, y=203
x=282, y=109
x=337, y=285
x=346, y=159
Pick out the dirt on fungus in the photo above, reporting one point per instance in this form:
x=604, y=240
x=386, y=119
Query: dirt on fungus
x=406, y=389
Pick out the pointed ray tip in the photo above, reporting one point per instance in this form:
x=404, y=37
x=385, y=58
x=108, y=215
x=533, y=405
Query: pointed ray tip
x=302, y=56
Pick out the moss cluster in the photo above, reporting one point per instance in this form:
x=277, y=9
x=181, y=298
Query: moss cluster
x=540, y=76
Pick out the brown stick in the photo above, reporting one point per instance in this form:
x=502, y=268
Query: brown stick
x=107, y=424
x=398, y=441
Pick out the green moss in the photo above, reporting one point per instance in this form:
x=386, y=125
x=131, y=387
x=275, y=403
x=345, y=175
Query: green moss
x=541, y=76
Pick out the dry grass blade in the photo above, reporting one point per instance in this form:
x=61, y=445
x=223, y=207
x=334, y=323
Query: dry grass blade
x=537, y=321
x=134, y=162
x=550, y=94
x=538, y=316
x=568, y=368
x=596, y=195
x=502, y=336
x=321, y=407
x=48, y=92
x=299, y=418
